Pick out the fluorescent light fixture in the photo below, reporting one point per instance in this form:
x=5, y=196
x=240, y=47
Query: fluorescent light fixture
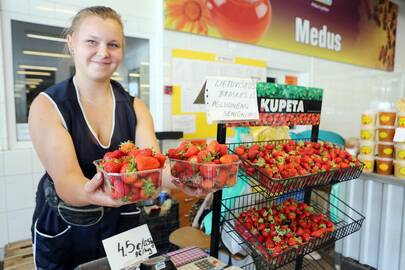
x=32, y=86
x=19, y=85
x=145, y=85
x=145, y=63
x=33, y=83
x=61, y=10
x=38, y=67
x=33, y=80
x=38, y=53
x=35, y=73
x=51, y=38
x=134, y=74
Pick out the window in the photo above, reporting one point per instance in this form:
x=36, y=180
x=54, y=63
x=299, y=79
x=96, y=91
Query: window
x=40, y=61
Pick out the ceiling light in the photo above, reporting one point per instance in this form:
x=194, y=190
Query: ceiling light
x=134, y=75
x=32, y=86
x=38, y=67
x=33, y=80
x=145, y=63
x=46, y=37
x=37, y=53
x=19, y=85
x=61, y=10
x=36, y=73
x=145, y=85
x=32, y=83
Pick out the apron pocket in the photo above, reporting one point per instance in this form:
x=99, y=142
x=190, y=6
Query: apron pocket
x=129, y=217
x=50, y=248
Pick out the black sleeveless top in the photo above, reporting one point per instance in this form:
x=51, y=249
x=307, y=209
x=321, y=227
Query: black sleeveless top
x=65, y=97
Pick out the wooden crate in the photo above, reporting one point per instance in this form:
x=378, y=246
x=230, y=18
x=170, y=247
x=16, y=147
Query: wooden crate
x=18, y=256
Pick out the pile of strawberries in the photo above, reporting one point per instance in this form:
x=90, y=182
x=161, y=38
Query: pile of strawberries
x=292, y=159
x=208, y=167
x=132, y=174
x=281, y=227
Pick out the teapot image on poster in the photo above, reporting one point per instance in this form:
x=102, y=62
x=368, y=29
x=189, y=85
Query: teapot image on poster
x=241, y=20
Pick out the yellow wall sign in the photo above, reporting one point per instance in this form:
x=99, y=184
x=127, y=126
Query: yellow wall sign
x=356, y=32
x=189, y=72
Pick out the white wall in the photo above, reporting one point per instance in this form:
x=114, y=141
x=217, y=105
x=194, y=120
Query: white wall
x=20, y=169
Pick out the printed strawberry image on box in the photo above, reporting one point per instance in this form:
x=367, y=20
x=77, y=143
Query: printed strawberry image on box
x=131, y=174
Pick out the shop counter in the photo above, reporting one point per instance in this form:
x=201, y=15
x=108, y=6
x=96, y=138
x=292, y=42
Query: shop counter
x=381, y=241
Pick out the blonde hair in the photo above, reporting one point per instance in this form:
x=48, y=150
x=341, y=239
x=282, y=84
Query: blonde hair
x=100, y=11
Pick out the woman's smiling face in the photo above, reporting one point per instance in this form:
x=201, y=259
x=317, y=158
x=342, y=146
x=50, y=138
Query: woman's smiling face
x=97, y=47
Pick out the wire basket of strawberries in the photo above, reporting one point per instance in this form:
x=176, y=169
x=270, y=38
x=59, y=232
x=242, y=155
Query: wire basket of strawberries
x=200, y=168
x=278, y=229
x=288, y=165
x=131, y=174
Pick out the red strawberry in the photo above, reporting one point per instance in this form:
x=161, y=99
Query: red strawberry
x=208, y=170
x=121, y=189
x=147, y=152
x=161, y=158
x=146, y=163
x=113, y=155
x=226, y=159
x=128, y=171
x=127, y=146
x=204, y=156
x=239, y=150
x=112, y=166
x=133, y=153
x=213, y=147
x=191, y=151
x=223, y=149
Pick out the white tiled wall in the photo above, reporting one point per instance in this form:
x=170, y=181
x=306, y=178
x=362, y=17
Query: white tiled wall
x=18, y=183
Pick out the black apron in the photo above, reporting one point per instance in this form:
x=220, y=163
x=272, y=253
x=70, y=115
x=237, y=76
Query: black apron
x=65, y=236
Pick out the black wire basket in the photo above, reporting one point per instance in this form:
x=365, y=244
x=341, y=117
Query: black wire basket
x=275, y=187
x=308, y=264
x=346, y=221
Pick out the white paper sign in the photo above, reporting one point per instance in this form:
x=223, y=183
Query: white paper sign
x=231, y=99
x=185, y=123
x=129, y=248
x=399, y=135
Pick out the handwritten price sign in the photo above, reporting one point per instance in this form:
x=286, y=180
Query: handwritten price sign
x=129, y=248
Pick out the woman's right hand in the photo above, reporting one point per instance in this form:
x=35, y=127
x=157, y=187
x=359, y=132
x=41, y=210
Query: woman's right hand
x=96, y=195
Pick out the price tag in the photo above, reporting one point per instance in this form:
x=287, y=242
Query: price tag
x=231, y=99
x=129, y=248
x=399, y=135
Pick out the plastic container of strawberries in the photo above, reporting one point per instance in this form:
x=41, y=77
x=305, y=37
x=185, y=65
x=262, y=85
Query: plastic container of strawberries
x=131, y=187
x=202, y=178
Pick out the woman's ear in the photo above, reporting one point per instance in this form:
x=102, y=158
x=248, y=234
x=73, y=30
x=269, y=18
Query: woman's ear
x=69, y=40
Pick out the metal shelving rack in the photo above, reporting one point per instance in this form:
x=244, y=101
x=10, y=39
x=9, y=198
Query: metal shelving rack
x=343, y=227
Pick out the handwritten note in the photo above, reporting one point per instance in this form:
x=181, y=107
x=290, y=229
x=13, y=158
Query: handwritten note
x=231, y=99
x=129, y=248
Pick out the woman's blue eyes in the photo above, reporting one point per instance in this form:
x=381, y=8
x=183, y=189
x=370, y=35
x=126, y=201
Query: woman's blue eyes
x=111, y=45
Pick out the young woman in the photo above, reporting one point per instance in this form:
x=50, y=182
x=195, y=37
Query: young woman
x=72, y=124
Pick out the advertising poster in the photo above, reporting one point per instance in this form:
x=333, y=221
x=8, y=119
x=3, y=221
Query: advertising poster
x=359, y=32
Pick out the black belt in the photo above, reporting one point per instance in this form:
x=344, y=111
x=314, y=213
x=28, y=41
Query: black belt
x=73, y=215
